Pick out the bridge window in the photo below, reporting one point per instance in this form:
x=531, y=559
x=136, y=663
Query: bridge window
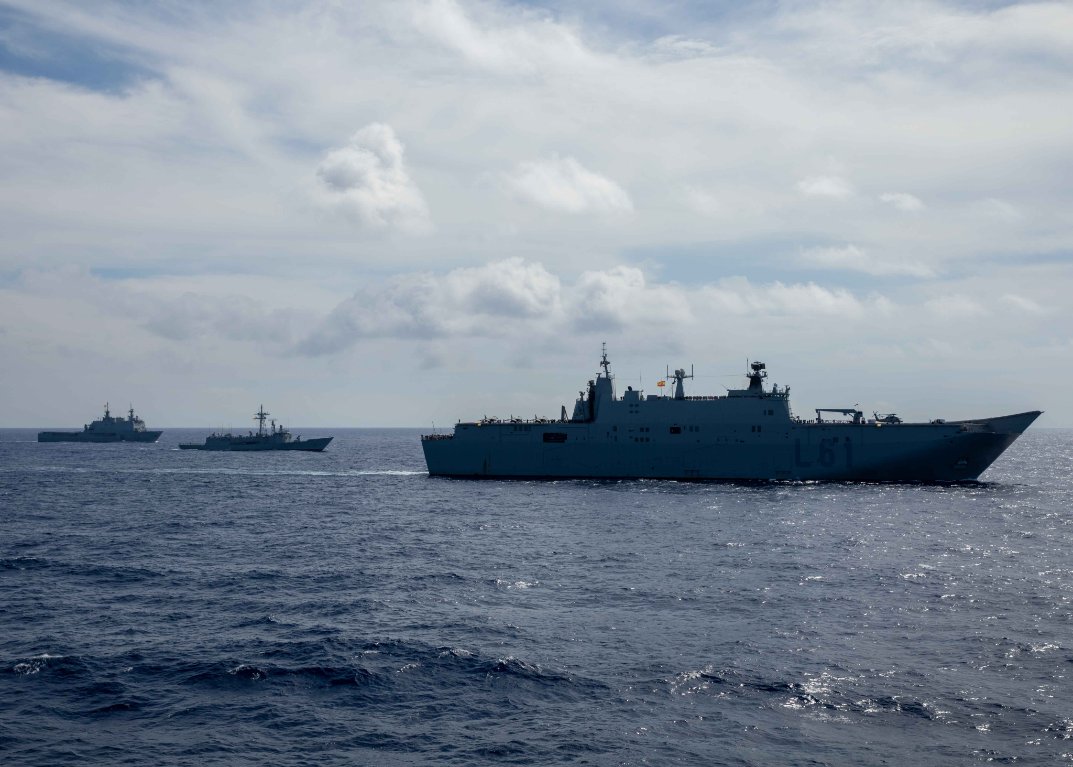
x=554, y=436
x=676, y=430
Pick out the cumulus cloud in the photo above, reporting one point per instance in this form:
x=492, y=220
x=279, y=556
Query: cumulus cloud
x=902, y=201
x=367, y=179
x=615, y=298
x=480, y=301
x=523, y=301
x=738, y=296
x=188, y=160
x=854, y=259
x=834, y=187
x=563, y=184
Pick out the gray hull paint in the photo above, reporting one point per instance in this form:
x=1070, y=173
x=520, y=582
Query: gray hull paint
x=108, y=428
x=82, y=436
x=905, y=452
x=240, y=445
x=748, y=434
x=274, y=438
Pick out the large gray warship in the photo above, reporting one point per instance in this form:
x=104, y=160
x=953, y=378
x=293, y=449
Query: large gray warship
x=746, y=434
x=266, y=438
x=106, y=429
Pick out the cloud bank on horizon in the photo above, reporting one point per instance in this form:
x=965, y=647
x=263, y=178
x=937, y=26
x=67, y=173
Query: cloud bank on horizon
x=484, y=187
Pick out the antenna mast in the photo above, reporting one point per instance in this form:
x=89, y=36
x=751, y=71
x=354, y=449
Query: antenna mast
x=260, y=418
x=604, y=362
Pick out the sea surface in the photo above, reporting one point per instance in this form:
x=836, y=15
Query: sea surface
x=167, y=607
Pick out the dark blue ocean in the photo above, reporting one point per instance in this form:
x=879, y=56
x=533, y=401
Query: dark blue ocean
x=166, y=607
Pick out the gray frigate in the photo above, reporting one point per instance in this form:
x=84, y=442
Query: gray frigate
x=106, y=429
x=746, y=434
x=266, y=438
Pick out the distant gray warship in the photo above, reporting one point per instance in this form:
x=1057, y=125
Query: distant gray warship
x=274, y=438
x=748, y=434
x=106, y=429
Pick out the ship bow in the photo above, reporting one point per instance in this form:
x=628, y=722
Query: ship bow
x=1014, y=425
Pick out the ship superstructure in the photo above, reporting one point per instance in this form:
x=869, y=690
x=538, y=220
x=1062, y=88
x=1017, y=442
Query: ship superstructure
x=266, y=438
x=108, y=428
x=746, y=434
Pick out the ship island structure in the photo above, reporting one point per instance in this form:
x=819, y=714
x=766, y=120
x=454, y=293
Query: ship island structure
x=266, y=438
x=746, y=434
x=108, y=428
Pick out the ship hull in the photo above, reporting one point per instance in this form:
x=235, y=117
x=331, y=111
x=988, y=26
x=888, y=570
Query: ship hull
x=940, y=452
x=82, y=436
x=305, y=445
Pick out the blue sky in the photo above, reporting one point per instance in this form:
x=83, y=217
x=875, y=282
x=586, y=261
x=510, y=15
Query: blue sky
x=389, y=213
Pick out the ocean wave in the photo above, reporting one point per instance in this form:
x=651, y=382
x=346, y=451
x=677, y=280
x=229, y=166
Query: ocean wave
x=24, y=563
x=386, y=473
x=226, y=674
x=82, y=569
x=228, y=471
x=833, y=692
x=342, y=610
x=50, y=666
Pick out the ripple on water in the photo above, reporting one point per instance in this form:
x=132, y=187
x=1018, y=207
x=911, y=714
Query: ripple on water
x=343, y=608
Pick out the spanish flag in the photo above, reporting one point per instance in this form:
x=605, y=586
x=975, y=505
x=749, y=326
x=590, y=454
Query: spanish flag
x=661, y=383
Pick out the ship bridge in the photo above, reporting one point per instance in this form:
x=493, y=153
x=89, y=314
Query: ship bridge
x=598, y=401
x=744, y=434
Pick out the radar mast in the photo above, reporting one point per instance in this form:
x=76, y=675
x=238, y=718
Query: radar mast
x=756, y=378
x=260, y=418
x=604, y=361
x=679, y=377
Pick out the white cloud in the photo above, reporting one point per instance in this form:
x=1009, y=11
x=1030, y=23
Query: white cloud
x=854, y=259
x=834, y=187
x=704, y=202
x=1000, y=210
x=488, y=300
x=563, y=184
x=621, y=297
x=902, y=201
x=238, y=318
x=955, y=307
x=178, y=310
x=367, y=178
x=740, y=297
x=678, y=47
x=502, y=43
x=523, y=301
x=931, y=33
x=1023, y=305
x=216, y=337
x=202, y=160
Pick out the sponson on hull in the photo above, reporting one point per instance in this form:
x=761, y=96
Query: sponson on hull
x=747, y=434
